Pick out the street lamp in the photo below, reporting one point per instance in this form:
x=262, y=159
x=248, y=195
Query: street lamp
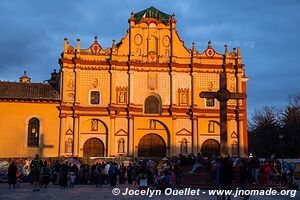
x=281, y=146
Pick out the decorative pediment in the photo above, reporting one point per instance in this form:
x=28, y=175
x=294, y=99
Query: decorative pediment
x=121, y=132
x=69, y=132
x=233, y=134
x=209, y=52
x=184, y=132
x=95, y=49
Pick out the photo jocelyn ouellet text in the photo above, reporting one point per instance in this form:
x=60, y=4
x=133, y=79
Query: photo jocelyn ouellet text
x=196, y=192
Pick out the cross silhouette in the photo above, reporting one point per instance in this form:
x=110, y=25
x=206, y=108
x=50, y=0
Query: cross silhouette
x=223, y=95
x=42, y=146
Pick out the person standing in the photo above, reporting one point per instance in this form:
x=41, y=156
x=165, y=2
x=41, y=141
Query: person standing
x=112, y=174
x=45, y=174
x=106, y=175
x=255, y=165
x=99, y=173
x=64, y=174
x=122, y=173
x=56, y=169
x=216, y=173
x=12, y=174
x=143, y=175
x=71, y=179
x=245, y=175
x=208, y=169
x=129, y=173
x=226, y=176
x=36, y=167
x=178, y=174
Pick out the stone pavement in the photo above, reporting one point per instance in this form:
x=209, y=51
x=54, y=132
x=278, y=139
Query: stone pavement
x=90, y=192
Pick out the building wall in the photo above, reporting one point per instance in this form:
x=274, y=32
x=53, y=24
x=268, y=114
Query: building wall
x=14, y=117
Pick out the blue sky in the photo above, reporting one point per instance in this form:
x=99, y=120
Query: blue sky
x=32, y=34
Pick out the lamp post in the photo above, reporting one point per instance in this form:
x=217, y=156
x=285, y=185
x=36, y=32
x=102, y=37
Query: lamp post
x=281, y=146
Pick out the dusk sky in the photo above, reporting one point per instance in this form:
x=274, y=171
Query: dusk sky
x=32, y=34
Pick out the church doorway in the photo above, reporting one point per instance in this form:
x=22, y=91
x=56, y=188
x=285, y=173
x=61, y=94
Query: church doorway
x=210, y=147
x=152, y=145
x=93, y=147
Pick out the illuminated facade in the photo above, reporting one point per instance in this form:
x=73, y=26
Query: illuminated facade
x=139, y=97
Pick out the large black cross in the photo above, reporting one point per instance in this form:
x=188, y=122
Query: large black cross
x=223, y=95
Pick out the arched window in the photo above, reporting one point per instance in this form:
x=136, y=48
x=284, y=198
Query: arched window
x=183, y=146
x=33, y=132
x=121, y=146
x=152, y=105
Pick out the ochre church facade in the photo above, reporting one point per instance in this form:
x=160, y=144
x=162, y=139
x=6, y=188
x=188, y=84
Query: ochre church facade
x=137, y=98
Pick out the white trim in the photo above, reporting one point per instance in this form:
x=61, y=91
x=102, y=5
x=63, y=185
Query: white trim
x=41, y=125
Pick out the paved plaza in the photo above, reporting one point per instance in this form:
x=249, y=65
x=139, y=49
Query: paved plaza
x=80, y=192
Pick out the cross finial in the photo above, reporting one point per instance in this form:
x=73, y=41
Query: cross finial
x=226, y=49
x=25, y=78
x=96, y=38
x=209, y=43
x=172, y=19
x=193, y=47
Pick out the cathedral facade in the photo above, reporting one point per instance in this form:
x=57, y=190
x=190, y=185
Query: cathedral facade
x=137, y=98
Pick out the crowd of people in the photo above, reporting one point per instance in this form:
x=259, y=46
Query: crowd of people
x=147, y=173
x=142, y=174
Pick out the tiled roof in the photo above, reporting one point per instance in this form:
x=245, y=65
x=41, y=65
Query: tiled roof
x=28, y=91
x=152, y=13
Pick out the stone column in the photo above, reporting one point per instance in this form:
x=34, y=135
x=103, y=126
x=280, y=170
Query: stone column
x=173, y=138
x=241, y=139
x=111, y=142
x=77, y=86
x=130, y=137
x=195, y=135
x=62, y=135
x=112, y=87
x=76, y=136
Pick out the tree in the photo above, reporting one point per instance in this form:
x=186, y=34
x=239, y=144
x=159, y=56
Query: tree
x=291, y=127
x=264, y=131
x=266, y=125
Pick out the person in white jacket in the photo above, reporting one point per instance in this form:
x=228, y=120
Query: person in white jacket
x=106, y=169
